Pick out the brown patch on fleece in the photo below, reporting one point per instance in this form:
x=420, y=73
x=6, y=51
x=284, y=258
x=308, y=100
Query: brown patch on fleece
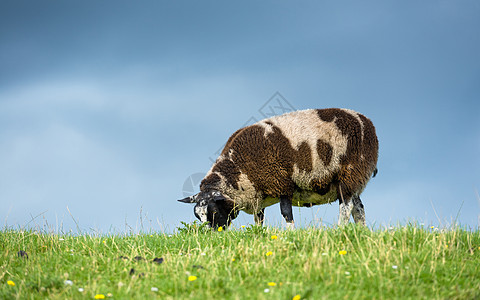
x=267, y=161
x=370, y=141
x=229, y=142
x=225, y=166
x=229, y=170
x=325, y=152
x=209, y=182
x=304, y=157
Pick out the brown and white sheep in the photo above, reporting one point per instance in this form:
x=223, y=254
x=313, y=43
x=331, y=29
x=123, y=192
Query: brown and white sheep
x=302, y=158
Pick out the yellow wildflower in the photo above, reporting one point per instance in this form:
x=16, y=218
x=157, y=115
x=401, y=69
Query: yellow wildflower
x=220, y=229
x=99, y=296
x=269, y=253
x=342, y=252
x=296, y=297
x=243, y=226
x=233, y=259
x=192, y=278
x=272, y=284
x=11, y=283
x=274, y=237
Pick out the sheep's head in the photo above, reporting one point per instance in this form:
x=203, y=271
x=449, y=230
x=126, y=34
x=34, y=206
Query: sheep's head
x=213, y=207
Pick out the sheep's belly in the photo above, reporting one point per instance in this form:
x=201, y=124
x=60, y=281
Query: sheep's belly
x=305, y=198
x=309, y=198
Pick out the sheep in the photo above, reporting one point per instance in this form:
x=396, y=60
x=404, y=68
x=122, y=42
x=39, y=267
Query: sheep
x=302, y=158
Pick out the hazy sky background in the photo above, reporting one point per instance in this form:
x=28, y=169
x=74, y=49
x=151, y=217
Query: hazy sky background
x=107, y=107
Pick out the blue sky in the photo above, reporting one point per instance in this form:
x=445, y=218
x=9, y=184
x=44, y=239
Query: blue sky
x=107, y=108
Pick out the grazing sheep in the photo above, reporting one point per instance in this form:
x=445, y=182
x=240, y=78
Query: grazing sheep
x=302, y=158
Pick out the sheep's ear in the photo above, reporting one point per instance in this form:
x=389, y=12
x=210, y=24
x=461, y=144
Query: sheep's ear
x=191, y=199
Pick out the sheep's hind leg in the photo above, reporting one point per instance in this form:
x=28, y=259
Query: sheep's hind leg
x=286, y=210
x=358, y=211
x=259, y=217
x=346, y=207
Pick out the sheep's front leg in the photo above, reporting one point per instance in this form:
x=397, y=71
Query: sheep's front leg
x=346, y=206
x=259, y=217
x=358, y=211
x=286, y=210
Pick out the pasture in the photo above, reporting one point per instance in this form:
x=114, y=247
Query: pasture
x=407, y=262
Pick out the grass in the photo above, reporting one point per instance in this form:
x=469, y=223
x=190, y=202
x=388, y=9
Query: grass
x=407, y=262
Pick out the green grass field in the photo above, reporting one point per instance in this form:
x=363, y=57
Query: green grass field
x=407, y=262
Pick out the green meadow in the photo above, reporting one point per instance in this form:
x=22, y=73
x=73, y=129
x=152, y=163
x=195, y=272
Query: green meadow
x=402, y=262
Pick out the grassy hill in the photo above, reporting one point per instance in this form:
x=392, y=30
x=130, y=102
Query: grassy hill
x=407, y=262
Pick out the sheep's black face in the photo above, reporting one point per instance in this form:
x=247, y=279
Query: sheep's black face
x=217, y=215
x=212, y=207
